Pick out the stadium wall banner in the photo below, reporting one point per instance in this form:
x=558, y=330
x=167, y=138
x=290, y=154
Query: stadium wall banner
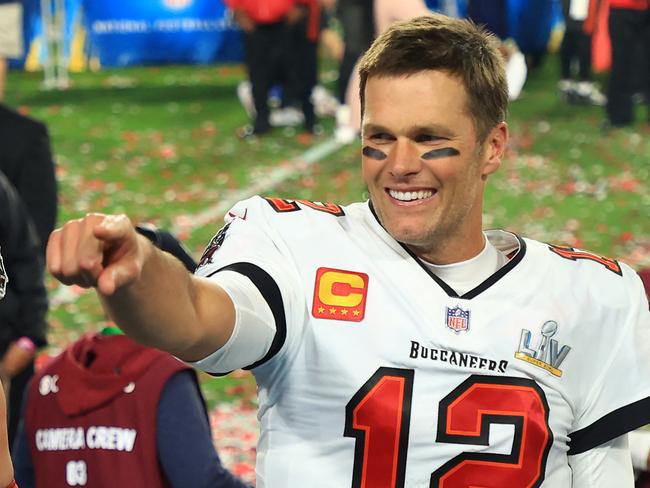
x=124, y=32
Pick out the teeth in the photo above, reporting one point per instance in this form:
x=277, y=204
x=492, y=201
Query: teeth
x=408, y=196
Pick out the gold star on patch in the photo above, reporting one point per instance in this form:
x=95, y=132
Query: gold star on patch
x=332, y=311
x=355, y=313
x=344, y=312
x=321, y=309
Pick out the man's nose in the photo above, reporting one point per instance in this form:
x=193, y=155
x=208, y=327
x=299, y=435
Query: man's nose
x=404, y=159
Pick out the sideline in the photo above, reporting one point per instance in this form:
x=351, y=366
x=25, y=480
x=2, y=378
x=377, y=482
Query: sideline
x=68, y=294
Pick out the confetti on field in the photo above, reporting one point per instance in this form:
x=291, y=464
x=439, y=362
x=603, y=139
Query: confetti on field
x=235, y=431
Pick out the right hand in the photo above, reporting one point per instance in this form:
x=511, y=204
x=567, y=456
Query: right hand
x=101, y=251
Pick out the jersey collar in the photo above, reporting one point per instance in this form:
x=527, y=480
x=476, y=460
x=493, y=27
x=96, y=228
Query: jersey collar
x=508, y=242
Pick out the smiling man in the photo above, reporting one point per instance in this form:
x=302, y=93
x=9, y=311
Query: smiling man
x=395, y=342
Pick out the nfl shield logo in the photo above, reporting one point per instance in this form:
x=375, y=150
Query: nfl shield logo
x=457, y=319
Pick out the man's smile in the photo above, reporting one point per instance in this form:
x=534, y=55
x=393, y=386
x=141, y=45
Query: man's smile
x=416, y=196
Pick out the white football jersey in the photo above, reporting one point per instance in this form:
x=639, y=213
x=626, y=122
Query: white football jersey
x=381, y=376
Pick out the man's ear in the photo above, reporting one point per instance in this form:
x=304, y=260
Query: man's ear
x=494, y=148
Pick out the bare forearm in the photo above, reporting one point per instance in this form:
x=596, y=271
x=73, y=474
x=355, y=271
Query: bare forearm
x=148, y=292
x=164, y=308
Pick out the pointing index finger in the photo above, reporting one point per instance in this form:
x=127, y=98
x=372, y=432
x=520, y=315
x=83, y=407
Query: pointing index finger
x=112, y=228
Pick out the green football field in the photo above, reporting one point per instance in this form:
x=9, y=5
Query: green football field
x=159, y=145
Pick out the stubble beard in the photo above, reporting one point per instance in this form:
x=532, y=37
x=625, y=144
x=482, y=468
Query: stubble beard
x=433, y=240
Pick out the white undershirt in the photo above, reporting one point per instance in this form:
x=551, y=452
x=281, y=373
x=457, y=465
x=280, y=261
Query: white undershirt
x=466, y=275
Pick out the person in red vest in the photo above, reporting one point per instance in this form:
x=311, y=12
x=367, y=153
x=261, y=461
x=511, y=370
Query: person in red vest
x=108, y=408
x=629, y=29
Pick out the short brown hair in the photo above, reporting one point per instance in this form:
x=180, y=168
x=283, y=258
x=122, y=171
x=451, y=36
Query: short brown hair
x=437, y=42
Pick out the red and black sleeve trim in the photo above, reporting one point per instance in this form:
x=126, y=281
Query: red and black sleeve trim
x=611, y=426
x=271, y=293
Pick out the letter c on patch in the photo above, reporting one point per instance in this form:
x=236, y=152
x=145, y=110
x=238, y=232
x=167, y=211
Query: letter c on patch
x=341, y=289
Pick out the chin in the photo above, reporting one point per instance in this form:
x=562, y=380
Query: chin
x=410, y=235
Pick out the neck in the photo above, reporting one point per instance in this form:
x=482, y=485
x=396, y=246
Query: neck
x=451, y=250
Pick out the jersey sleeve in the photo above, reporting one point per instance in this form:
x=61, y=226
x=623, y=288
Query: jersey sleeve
x=254, y=331
x=249, y=245
x=617, y=374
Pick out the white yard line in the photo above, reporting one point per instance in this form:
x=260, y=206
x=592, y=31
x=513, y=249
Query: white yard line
x=67, y=294
x=276, y=176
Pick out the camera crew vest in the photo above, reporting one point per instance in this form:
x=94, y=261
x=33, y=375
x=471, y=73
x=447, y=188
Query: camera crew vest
x=82, y=436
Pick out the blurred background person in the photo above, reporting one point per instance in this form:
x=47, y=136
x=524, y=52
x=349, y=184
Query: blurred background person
x=294, y=96
x=11, y=37
x=356, y=18
x=576, y=84
x=26, y=160
x=266, y=42
x=493, y=14
x=133, y=415
x=629, y=30
x=107, y=385
x=302, y=63
x=530, y=25
x=6, y=468
x=385, y=12
x=358, y=26
x=24, y=307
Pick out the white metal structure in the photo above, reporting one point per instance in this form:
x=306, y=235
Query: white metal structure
x=55, y=59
